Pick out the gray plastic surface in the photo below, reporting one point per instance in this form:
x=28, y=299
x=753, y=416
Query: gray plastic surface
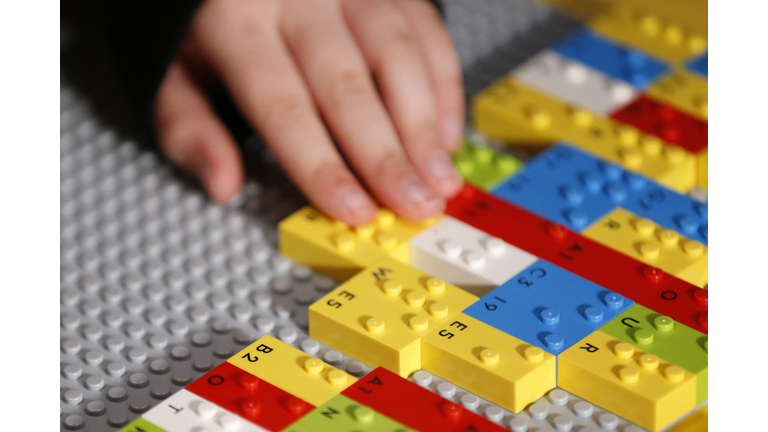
x=159, y=284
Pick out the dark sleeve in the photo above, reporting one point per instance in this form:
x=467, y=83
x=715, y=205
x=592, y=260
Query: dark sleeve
x=144, y=37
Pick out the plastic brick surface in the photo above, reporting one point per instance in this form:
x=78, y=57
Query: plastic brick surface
x=187, y=412
x=684, y=90
x=618, y=61
x=341, y=414
x=466, y=257
x=380, y=315
x=291, y=370
x=142, y=425
x=513, y=111
x=570, y=187
x=669, y=40
x=338, y=251
x=249, y=397
x=566, y=293
x=673, y=342
x=617, y=272
x=575, y=82
x=483, y=166
x=492, y=364
x=645, y=241
x=631, y=383
x=413, y=406
x=700, y=65
x=666, y=122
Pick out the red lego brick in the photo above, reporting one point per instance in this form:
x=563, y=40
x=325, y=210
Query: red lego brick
x=666, y=122
x=648, y=286
x=413, y=406
x=251, y=398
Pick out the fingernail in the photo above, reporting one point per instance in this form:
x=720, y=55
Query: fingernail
x=355, y=201
x=418, y=194
x=452, y=130
x=441, y=169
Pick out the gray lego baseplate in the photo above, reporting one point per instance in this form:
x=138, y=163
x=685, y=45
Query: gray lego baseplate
x=159, y=284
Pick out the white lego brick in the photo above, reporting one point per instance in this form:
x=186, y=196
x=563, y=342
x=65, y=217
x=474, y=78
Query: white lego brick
x=575, y=82
x=187, y=412
x=467, y=257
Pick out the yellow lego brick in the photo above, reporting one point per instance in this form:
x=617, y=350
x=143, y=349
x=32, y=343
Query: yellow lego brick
x=338, y=251
x=380, y=315
x=488, y=362
x=628, y=382
x=292, y=370
x=703, y=169
x=510, y=110
x=671, y=41
x=697, y=421
x=690, y=14
x=652, y=244
x=683, y=90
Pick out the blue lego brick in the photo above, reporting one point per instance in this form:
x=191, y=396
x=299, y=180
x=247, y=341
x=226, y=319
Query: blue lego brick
x=567, y=293
x=700, y=65
x=671, y=210
x=570, y=187
x=532, y=321
x=620, y=62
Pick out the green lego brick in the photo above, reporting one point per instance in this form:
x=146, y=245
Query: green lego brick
x=341, y=414
x=484, y=167
x=141, y=425
x=671, y=341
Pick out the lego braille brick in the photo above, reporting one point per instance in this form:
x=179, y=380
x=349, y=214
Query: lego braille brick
x=700, y=65
x=466, y=257
x=696, y=421
x=291, y=370
x=618, y=61
x=557, y=411
x=703, y=170
x=488, y=362
x=684, y=90
x=338, y=251
x=380, y=315
x=570, y=187
x=483, y=166
x=584, y=257
x=413, y=406
x=666, y=122
x=652, y=244
x=187, y=412
x=633, y=26
x=532, y=321
x=250, y=397
x=575, y=82
x=673, y=342
x=341, y=414
x=565, y=293
x=631, y=383
x=512, y=111
x=141, y=425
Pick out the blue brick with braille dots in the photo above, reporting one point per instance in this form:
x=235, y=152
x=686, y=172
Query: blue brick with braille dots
x=569, y=294
x=671, y=210
x=532, y=321
x=570, y=187
x=620, y=62
x=700, y=64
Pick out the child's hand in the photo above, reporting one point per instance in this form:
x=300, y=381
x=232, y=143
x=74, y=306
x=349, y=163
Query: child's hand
x=382, y=75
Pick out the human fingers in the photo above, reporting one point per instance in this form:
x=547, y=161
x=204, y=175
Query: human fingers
x=192, y=136
x=245, y=48
x=398, y=63
x=444, y=67
x=342, y=86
